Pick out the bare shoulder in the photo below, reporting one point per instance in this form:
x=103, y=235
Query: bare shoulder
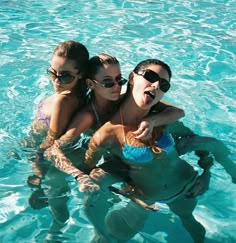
x=81, y=121
x=107, y=134
x=61, y=99
x=67, y=105
x=85, y=114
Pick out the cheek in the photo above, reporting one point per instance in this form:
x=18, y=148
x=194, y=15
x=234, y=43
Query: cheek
x=101, y=92
x=159, y=96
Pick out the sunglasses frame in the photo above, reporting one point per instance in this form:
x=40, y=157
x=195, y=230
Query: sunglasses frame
x=60, y=77
x=121, y=82
x=162, y=82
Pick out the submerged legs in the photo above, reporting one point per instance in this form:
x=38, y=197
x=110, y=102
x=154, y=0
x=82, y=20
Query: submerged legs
x=183, y=208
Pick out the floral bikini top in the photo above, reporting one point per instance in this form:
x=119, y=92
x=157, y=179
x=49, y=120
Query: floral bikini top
x=42, y=116
x=145, y=154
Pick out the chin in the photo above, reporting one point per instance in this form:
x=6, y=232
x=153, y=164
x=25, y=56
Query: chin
x=115, y=98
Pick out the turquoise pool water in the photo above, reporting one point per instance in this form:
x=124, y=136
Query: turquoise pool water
x=196, y=38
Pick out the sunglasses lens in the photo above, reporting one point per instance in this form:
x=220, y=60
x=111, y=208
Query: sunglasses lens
x=122, y=81
x=164, y=85
x=109, y=85
x=151, y=76
x=65, y=79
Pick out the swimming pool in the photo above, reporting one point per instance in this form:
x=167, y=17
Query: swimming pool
x=196, y=38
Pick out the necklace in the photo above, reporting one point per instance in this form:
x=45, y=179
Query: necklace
x=96, y=114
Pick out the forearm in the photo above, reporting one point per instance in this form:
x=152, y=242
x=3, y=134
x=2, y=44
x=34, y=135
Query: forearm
x=93, y=154
x=50, y=139
x=56, y=155
x=167, y=116
x=103, y=178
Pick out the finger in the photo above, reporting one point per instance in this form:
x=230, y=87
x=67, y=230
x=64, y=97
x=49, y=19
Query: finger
x=139, y=131
x=93, y=189
x=145, y=135
x=195, y=191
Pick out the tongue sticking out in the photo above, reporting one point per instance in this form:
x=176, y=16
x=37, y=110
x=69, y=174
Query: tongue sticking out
x=148, y=97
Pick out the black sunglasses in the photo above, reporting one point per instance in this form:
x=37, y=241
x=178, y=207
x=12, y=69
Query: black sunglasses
x=63, y=78
x=110, y=84
x=153, y=77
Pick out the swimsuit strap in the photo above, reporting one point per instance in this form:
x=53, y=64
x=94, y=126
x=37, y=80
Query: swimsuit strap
x=122, y=122
x=96, y=115
x=155, y=149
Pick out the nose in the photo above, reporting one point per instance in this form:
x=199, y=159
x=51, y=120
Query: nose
x=156, y=85
x=116, y=85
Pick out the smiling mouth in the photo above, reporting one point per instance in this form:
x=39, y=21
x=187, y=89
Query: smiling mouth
x=151, y=94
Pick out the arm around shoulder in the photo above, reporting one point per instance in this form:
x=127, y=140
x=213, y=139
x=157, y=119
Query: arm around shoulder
x=162, y=114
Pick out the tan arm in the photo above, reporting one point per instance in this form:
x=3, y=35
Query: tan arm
x=163, y=114
x=63, y=111
x=82, y=122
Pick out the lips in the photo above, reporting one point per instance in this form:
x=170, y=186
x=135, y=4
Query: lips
x=150, y=93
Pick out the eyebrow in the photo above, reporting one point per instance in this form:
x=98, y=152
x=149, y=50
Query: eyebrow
x=62, y=72
x=107, y=76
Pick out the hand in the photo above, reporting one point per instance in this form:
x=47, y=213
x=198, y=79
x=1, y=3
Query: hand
x=87, y=185
x=34, y=181
x=144, y=131
x=201, y=185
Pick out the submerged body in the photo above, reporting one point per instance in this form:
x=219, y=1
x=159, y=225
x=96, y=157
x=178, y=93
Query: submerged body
x=156, y=173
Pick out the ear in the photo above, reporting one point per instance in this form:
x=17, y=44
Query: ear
x=90, y=83
x=131, y=78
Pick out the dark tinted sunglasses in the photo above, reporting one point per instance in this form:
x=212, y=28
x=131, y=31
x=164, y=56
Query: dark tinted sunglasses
x=153, y=77
x=63, y=78
x=110, y=84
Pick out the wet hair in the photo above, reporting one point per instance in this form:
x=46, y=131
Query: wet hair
x=75, y=51
x=78, y=53
x=94, y=64
x=97, y=62
x=146, y=63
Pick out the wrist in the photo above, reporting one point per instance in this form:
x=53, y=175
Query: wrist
x=207, y=170
x=206, y=162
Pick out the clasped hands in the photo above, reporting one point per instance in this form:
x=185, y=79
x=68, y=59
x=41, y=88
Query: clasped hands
x=87, y=185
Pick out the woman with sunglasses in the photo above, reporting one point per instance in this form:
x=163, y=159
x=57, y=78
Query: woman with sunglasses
x=156, y=173
x=67, y=72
